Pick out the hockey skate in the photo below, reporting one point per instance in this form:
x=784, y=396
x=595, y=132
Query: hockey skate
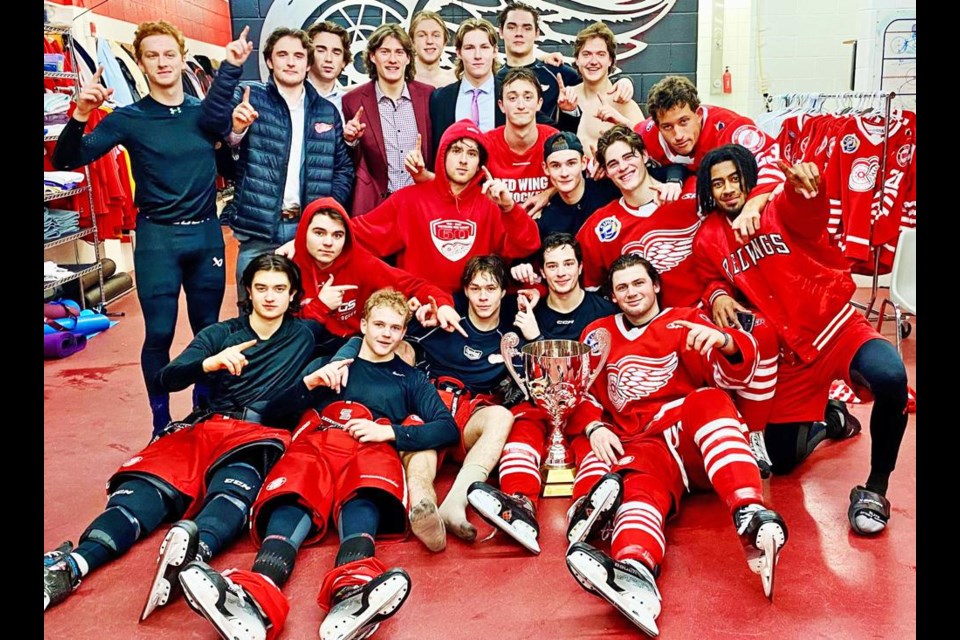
x=629, y=586
x=758, y=447
x=178, y=549
x=840, y=423
x=868, y=512
x=588, y=514
x=762, y=533
x=60, y=577
x=360, y=610
x=226, y=605
x=511, y=514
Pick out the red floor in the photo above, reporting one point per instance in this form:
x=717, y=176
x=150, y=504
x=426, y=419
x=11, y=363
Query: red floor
x=830, y=583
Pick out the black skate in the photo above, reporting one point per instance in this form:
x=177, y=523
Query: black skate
x=762, y=533
x=840, y=423
x=511, y=514
x=588, y=514
x=758, y=447
x=629, y=586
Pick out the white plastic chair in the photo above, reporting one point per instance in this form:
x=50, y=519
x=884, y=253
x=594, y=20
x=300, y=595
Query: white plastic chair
x=903, y=285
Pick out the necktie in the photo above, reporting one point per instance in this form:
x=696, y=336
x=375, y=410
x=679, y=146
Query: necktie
x=475, y=107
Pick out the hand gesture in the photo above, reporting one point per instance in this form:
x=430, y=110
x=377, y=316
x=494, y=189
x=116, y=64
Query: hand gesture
x=746, y=224
x=531, y=296
x=554, y=59
x=595, y=169
x=525, y=274
x=91, y=96
x=244, y=114
x=525, y=320
x=497, y=191
x=239, y=50
x=364, y=430
x=622, y=91
x=535, y=203
x=354, y=127
x=606, y=445
x=413, y=161
x=702, y=338
x=567, y=100
x=332, y=375
x=287, y=249
x=725, y=311
x=665, y=192
x=332, y=295
x=804, y=177
x=231, y=359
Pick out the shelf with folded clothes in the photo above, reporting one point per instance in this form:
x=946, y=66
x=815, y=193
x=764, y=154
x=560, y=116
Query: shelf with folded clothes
x=76, y=271
x=69, y=237
x=56, y=28
x=56, y=195
x=63, y=75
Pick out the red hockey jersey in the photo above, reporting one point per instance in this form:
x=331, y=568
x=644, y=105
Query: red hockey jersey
x=663, y=235
x=524, y=172
x=719, y=127
x=650, y=371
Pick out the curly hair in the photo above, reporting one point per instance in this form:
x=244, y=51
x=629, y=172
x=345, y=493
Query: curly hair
x=157, y=28
x=741, y=158
x=672, y=91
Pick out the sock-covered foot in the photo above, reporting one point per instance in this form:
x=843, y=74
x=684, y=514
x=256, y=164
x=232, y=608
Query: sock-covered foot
x=428, y=526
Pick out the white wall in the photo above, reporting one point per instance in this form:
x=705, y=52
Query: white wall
x=796, y=44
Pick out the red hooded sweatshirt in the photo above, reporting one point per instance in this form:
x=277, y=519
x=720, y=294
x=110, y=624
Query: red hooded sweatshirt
x=356, y=266
x=436, y=232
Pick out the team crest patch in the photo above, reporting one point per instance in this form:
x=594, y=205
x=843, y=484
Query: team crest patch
x=276, y=483
x=322, y=127
x=453, y=238
x=749, y=136
x=721, y=126
x=608, y=229
x=495, y=358
x=863, y=174
x=904, y=155
x=471, y=353
x=850, y=143
x=132, y=461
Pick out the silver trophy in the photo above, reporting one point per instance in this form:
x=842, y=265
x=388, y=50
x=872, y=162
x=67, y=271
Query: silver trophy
x=556, y=375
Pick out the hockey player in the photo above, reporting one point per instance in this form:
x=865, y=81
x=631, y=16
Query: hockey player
x=681, y=130
x=437, y=226
x=208, y=472
x=342, y=463
x=562, y=315
x=339, y=276
x=637, y=223
x=802, y=284
x=655, y=418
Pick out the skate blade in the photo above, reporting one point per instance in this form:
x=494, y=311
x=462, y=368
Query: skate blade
x=770, y=539
x=603, y=499
x=595, y=574
x=161, y=588
x=489, y=509
x=192, y=586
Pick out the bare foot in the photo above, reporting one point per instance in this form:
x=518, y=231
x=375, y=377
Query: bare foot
x=464, y=530
x=427, y=525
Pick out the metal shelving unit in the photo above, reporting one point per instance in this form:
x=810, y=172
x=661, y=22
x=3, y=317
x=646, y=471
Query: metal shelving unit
x=77, y=269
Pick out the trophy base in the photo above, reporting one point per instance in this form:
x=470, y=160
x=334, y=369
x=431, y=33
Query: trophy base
x=557, y=482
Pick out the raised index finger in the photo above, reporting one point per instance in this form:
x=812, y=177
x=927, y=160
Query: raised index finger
x=419, y=142
x=344, y=287
x=243, y=34
x=246, y=94
x=96, y=76
x=359, y=113
x=487, y=172
x=246, y=345
x=560, y=82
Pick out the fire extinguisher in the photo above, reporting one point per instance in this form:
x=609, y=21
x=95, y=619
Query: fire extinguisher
x=727, y=81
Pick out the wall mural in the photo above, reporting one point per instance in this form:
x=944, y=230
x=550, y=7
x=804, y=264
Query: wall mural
x=664, y=31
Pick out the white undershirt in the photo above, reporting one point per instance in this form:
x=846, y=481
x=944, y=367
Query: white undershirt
x=291, y=189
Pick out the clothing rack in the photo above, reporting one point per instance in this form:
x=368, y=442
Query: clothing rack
x=817, y=101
